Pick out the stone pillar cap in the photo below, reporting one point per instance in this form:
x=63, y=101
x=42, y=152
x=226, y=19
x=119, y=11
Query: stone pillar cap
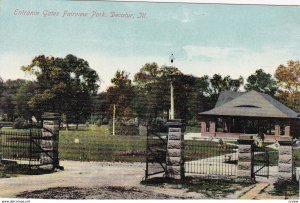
x=245, y=139
x=285, y=140
x=48, y=115
x=175, y=122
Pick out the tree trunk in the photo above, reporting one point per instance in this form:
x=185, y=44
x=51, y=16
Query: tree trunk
x=77, y=126
x=67, y=125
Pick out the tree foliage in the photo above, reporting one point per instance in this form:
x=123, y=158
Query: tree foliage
x=212, y=87
x=120, y=94
x=69, y=86
x=65, y=86
x=153, y=86
x=8, y=98
x=22, y=98
x=261, y=82
x=1, y=86
x=288, y=80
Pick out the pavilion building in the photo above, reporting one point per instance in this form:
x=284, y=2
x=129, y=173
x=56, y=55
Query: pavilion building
x=250, y=112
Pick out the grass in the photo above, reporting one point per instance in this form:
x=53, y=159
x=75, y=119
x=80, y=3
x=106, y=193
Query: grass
x=192, y=129
x=296, y=154
x=285, y=189
x=96, y=144
x=273, y=155
x=15, y=130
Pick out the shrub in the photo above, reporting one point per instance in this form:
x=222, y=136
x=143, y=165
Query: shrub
x=21, y=123
x=158, y=126
x=121, y=129
x=192, y=122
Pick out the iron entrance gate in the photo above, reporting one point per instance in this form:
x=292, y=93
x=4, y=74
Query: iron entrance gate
x=211, y=158
x=31, y=147
x=261, y=161
x=155, y=153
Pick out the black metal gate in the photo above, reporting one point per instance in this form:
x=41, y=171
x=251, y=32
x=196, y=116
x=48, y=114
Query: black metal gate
x=155, y=152
x=209, y=158
x=260, y=162
x=28, y=147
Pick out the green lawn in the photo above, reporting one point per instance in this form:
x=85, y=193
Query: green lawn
x=95, y=144
x=296, y=154
x=192, y=129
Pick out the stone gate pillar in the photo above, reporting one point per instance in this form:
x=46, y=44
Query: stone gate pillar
x=49, y=141
x=245, y=165
x=285, y=159
x=175, y=150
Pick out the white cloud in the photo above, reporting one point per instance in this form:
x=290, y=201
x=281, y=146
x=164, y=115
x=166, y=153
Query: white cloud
x=10, y=65
x=233, y=61
x=211, y=52
x=184, y=17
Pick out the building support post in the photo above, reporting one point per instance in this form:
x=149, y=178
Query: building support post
x=277, y=130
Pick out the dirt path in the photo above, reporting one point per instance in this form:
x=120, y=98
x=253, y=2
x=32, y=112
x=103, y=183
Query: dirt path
x=98, y=180
x=76, y=174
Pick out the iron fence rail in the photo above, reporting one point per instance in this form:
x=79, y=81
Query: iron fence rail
x=262, y=159
x=24, y=147
x=155, y=153
x=210, y=158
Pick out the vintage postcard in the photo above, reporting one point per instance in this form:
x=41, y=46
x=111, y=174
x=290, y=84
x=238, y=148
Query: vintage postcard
x=115, y=100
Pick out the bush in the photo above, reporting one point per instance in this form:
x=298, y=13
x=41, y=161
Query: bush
x=121, y=129
x=193, y=122
x=21, y=123
x=103, y=121
x=158, y=126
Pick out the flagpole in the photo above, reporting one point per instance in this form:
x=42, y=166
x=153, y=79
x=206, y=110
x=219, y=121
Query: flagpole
x=114, y=118
x=172, y=103
x=172, y=110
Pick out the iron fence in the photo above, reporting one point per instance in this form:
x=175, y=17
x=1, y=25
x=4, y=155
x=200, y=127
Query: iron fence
x=155, y=153
x=262, y=159
x=21, y=146
x=211, y=158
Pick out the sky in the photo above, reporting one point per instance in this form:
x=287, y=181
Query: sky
x=204, y=38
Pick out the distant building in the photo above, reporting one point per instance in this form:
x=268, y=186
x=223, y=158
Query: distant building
x=250, y=112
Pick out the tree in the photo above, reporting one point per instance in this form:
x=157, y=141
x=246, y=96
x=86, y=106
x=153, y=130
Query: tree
x=288, y=80
x=187, y=102
x=1, y=86
x=120, y=94
x=65, y=86
x=219, y=84
x=8, y=98
x=153, y=85
x=1, y=92
x=261, y=82
x=22, y=99
x=212, y=87
x=100, y=112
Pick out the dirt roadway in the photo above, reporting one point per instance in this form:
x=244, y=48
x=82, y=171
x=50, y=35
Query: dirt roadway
x=99, y=180
x=93, y=175
x=76, y=174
